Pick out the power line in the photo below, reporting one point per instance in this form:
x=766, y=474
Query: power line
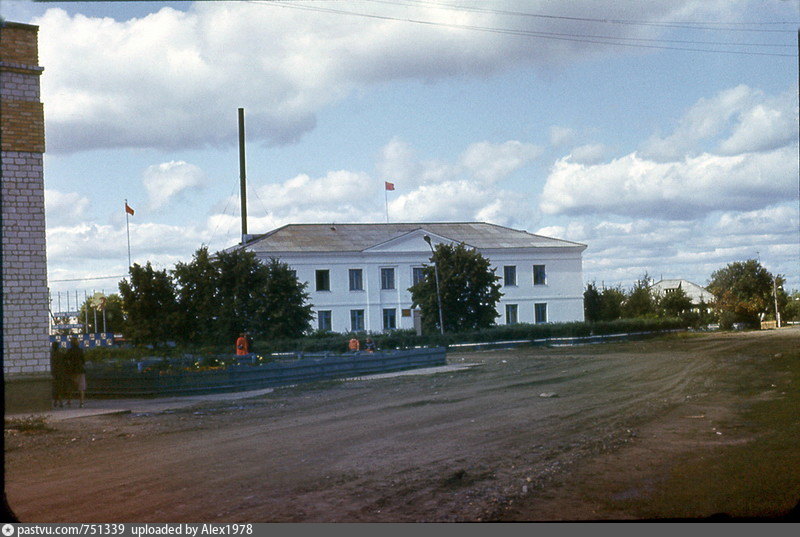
x=576, y=38
x=694, y=25
x=89, y=279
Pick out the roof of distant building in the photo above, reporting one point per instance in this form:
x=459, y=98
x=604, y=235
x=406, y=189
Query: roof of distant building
x=696, y=292
x=359, y=237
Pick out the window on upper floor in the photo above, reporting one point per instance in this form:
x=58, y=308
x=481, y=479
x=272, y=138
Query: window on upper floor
x=387, y=278
x=510, y=276
x=539, y=275
x=417, y=275
x=323, y=280
x=356, y=279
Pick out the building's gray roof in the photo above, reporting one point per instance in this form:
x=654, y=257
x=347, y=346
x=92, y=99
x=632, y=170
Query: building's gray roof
x=359, y=237
x=696, y=292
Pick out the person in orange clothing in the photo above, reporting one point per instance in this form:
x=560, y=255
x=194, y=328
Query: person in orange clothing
x=353, y=345
x=242, y=345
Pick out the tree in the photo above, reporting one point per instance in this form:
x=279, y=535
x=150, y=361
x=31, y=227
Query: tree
x=267, y=301
x=110, y=318
x=150, y=305
x=196, y=284
x=792, y=309
x=611, y=300
x=469, y=289
x=287, y=314
x=744, y=291
x=675, y=303
x=640, y=301
x=592, y=303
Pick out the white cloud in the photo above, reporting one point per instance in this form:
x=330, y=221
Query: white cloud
x=64, y=207
x=767, y=125
x=560, y=136
x=588, y=153
x=169, y=180
x=492, y=162
x=634, y=186
x=708, y=118
x=172, y=79
x=459, y=201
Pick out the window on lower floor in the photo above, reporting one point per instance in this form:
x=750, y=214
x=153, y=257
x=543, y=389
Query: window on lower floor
x=324, y=320
x=511, y=313
x=540, y=313
x=323, y=280
x=356, y=320
x=389, y=319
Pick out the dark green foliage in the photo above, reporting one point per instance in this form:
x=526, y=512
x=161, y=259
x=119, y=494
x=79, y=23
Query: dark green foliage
x=114, y=315
x=611, y=300
x=592, y=303
x=469, y=290
x=640, y=301
x=792, y=309
x=196, y=284
x=234, y=292
x=150, y=306
x=286, y=312
x=675, y=303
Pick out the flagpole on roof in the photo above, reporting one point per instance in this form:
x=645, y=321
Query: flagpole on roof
x=386, y=199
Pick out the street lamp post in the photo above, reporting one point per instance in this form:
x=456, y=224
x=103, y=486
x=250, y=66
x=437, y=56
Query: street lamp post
x=436, y=274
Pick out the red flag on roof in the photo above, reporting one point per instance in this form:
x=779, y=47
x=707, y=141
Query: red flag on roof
x=128, y=209
x=389, y=186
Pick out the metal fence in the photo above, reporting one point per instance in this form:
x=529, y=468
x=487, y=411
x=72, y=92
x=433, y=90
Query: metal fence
x=132, y=380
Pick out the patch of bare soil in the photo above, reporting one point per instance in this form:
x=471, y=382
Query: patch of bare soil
x=531, y=434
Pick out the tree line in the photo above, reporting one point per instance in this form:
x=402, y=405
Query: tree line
x=744, y=292
x=212, y=298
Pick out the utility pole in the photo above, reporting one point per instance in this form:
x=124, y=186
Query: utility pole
x=242, y=175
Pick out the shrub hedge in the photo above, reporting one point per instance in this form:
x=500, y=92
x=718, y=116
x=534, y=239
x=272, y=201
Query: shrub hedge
x=402, y=339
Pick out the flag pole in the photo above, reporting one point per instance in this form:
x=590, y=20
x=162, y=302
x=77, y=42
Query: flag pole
x=128, y=228
x=386, y=198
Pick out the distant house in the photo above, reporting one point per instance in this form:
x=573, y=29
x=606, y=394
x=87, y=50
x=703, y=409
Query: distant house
x=696, y=293
x=358, y=275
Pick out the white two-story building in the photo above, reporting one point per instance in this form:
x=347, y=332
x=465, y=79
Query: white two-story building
x=358, y=275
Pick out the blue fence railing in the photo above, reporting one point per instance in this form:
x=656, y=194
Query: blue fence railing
x=133, y=380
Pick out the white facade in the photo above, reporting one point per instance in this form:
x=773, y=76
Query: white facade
x=358, y=275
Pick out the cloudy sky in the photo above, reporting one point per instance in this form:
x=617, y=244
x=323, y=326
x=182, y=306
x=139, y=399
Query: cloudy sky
x=662, y=134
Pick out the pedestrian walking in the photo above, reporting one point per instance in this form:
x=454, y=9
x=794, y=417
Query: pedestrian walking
x=75, y=363
x=59, y=374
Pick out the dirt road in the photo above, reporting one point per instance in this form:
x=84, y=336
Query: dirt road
x=529, y=434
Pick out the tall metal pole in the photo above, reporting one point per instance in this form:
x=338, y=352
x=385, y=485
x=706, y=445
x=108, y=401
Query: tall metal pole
x=427, y=239
x=128, y=228
x=242, y=175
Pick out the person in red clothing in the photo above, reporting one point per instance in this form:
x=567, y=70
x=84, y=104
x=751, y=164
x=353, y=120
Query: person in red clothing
x=242, y=345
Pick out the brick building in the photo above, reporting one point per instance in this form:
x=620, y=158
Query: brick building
x=26, y=364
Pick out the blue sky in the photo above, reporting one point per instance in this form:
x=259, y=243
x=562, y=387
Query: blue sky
x=665, y=161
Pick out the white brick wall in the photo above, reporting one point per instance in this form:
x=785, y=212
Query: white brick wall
x=24, y=271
